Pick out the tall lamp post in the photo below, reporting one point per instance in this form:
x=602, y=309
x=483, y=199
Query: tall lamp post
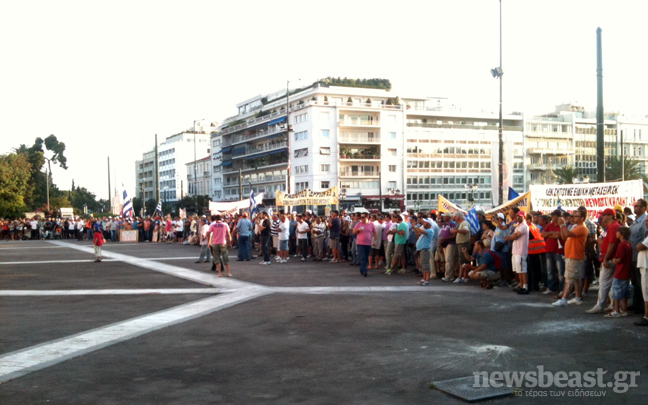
x=497, y=74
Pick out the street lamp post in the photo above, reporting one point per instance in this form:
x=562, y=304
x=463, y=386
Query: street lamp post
x=195, y=167
x=497, y=74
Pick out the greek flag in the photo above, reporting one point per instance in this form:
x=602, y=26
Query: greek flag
x=159, y=207
x=127, y=211
x=472, y=219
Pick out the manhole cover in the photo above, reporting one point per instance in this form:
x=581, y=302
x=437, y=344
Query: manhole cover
x=466, y=389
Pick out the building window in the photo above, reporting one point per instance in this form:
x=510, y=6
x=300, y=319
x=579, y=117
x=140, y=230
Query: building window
x=392, y=135
x=300, y=136
x=301, y=185
x=325, y=168
x=325, y=133
x=392, y=152
x=325, y=150
x=391, y=185
x=301, y=118
x=392, y=168
x=325, y=185
x=301, y=169
x=301, y=152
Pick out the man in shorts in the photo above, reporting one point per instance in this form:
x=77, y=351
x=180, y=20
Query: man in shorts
x=219, y=240
x=425, y=235
x=520, y=251
x=574, y=257
x=400, y=240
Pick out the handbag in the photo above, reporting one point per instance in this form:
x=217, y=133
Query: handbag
x=499, y=246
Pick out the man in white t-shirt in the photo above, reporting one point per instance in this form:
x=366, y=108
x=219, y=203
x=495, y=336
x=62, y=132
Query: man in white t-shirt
x=520, y=251
x=302, y=236
x=284, y=236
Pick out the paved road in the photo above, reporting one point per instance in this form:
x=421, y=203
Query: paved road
x=148, y=325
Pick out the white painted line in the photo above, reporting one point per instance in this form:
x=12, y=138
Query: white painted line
x=210, y=278
x=32, y=247
x=19, y=363
x=56, y=261
x=338, y=290
x=141, y=291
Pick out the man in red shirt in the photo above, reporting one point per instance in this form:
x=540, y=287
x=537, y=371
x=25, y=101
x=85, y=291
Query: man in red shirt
x=608, y=252
x=555, y=253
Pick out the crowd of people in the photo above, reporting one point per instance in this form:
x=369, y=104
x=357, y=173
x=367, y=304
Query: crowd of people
x=560, y=254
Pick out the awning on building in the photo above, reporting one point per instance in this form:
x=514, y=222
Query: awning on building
x=228, y=163
x=282, y=150
x=225, y=150
x=239, y=150
x=277, y=121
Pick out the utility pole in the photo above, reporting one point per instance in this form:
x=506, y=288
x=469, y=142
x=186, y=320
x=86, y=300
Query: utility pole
x=157, y=172
x=501, y=120
x=600, y=123
x=240, y=184
x=109, y=196
x=288, y=137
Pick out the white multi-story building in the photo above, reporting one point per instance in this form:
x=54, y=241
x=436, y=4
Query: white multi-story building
x=333, y=136
x=173, y=155
x=455, y=154
x=201, y=184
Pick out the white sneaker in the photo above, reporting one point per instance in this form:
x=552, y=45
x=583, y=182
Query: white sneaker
x=575, y=301
x=284, y=261
x=262, y=263
x=548, y=291
x=457, y=280
x=308, y=256
x=446, y=280
x=596, y=309
x=267, y=263
x=303, y=259
x=560, y=303
x=425, y=283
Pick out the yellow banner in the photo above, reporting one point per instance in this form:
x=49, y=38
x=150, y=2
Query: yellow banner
x=523, y=202
x=308, y=197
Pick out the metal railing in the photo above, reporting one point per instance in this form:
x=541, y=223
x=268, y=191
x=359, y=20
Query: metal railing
x=359, y=137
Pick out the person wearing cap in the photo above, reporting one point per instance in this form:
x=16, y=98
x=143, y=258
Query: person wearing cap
x=520, y=251
x=575, y=239
x=555, y=263
x=609, y=243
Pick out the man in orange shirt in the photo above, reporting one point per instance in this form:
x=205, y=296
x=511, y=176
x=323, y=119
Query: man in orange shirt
x=574, y=257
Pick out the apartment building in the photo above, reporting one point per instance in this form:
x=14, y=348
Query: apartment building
x=455, y=154
x=332, y=135
x=146, y=176
x=199, y=177
x=174, y=153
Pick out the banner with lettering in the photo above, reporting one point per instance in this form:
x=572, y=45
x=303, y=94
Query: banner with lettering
x=594, y=196
x=308, y=197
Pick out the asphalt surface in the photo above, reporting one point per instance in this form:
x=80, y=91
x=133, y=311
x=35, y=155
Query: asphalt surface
x=354, y=343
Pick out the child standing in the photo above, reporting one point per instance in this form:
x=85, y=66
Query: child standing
x=623, y=261
x=98, y=242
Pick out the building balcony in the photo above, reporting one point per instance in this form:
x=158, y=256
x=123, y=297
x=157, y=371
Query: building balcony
x=359, y=137
x=252, y=151
x=359, y=158
x=347, y=122
x=543, y=166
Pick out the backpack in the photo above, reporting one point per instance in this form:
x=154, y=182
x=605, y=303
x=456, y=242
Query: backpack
x=496, y=260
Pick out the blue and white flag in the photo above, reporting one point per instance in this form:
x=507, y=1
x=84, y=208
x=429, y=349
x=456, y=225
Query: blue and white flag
x=559, y=208
x=472, y=219
x=253, y=204
x=159, y=207
x=512, y=194
x=127, y=211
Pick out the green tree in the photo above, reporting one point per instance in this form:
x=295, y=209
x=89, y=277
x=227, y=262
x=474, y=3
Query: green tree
x=35, y=195
x=631, y=168
x=151, y=205
x=15, y=171
x=81, y=197
x=566, y=174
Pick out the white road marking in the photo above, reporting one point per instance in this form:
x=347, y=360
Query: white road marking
x=211, y=279
x=134, y=291
x=55, y=261
x=32, y=247
x=19, y=363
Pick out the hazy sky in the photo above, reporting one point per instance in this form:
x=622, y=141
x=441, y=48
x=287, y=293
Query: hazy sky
x=104, y=77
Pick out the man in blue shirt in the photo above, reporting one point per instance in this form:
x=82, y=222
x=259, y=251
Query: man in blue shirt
x=425, y=235
x=484, y=267
x=244, y=228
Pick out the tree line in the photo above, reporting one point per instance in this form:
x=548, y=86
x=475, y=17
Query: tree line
x=23, y=182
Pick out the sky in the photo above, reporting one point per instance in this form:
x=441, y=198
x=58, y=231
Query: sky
x=106, y=76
